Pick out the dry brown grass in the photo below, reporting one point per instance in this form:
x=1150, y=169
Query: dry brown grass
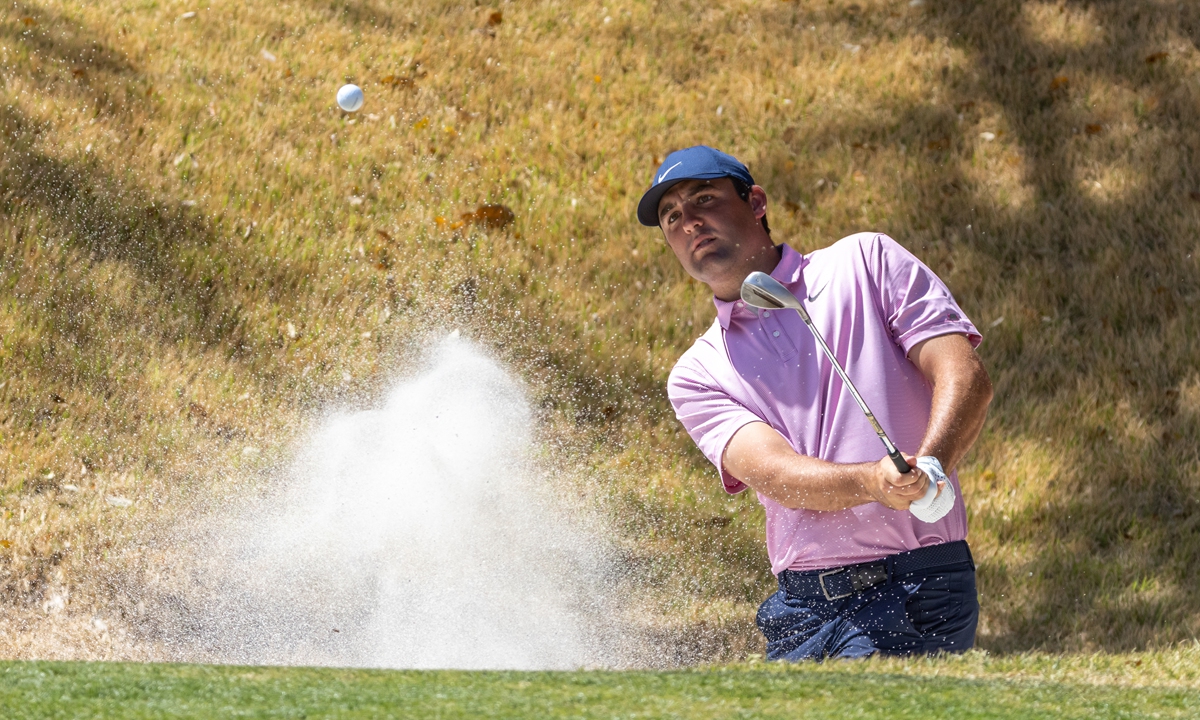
x=194, y=243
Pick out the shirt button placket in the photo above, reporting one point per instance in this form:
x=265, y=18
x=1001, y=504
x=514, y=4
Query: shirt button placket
x=782, y=344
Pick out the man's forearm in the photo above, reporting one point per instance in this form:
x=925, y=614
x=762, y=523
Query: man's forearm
x=813, y=484
x=760, y=457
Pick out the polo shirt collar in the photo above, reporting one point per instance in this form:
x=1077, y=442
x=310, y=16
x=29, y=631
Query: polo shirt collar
x=791, y=264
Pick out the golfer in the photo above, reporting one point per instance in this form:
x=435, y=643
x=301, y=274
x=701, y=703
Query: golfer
x=858, y=574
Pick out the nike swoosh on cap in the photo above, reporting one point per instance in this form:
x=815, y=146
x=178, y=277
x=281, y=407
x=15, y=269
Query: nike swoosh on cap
x=668, y=170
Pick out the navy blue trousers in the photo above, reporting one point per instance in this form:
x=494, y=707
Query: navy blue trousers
x=922, y=612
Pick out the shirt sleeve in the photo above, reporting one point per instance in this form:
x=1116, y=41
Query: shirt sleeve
x=710, y=416
x=917, y=304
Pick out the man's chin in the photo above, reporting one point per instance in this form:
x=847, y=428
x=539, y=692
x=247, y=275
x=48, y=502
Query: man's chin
x=713, y=267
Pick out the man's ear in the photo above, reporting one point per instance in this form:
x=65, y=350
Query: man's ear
x=758, y=201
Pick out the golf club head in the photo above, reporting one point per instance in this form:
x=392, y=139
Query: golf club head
x=760, y=290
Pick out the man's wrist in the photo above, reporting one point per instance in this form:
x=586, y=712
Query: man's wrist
x=869, y=485
x=934, y=452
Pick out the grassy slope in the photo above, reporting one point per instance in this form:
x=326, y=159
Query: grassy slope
x=45, y=690
x=194, y=245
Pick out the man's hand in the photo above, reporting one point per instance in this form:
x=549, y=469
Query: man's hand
x=891, y=489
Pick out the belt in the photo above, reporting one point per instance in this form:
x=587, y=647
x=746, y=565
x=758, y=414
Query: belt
x=842, y=582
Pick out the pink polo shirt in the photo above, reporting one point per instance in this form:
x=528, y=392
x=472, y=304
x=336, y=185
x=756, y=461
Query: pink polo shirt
x=873, y=301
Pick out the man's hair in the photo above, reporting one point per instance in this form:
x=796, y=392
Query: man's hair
x=743, y=191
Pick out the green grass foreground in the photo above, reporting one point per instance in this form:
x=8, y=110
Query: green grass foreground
x=119, y=690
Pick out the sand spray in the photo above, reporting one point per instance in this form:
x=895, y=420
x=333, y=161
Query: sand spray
x=419, y=534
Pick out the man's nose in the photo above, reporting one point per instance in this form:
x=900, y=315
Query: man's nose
x=688, y=220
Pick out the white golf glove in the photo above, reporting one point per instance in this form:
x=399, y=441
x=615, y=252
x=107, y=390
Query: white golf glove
x=934, y=505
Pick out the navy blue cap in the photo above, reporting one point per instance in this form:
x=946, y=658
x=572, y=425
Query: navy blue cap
x=695, y=163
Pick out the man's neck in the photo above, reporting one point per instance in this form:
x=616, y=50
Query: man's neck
x=730, y=289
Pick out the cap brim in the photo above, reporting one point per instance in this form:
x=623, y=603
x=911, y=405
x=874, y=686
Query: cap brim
x=647, y=210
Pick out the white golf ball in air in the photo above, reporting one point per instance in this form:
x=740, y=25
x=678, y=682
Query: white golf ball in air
x=350, y=98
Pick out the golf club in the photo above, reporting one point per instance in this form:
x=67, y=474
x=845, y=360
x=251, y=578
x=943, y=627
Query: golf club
x=762, y=291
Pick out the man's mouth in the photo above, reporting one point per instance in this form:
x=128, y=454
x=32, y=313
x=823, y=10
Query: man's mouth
x=702, y=242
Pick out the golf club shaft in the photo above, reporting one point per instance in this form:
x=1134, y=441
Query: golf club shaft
x=893, y=453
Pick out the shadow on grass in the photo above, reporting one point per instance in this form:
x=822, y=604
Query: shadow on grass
x=103, y=278
x=1108, y=545
x=1098, y=290
x=68, y=61
x=77, y=205
x=364, y=14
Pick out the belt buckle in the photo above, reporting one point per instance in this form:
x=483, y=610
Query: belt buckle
x=825, y=591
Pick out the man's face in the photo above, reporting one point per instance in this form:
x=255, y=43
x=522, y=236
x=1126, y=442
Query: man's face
x=711, y=230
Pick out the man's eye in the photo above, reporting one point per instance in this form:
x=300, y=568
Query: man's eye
x=672, y=217
x=703, y=199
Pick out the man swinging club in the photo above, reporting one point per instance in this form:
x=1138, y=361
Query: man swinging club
x=858, y=573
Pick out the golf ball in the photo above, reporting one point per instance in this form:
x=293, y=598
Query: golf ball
x=350, y=98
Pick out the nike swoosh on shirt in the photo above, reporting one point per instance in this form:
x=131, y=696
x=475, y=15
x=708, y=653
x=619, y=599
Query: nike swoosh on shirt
x=813, y=296
x=668, y=170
